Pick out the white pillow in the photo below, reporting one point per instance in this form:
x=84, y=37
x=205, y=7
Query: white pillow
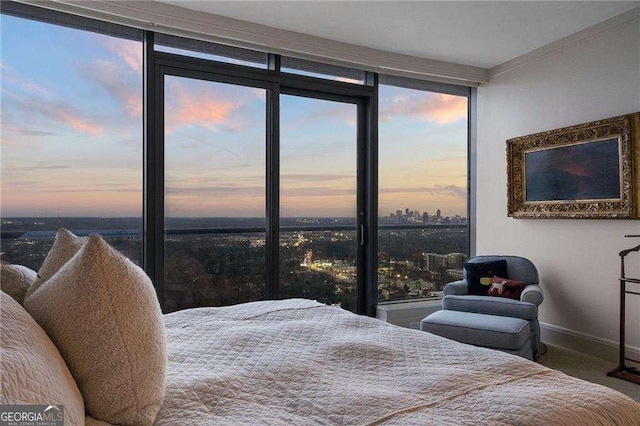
x=102, y=313
x=64, y=247
x=31, y=368
x=15, y=280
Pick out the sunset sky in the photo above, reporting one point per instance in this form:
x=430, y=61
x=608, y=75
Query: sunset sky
x=72, y=138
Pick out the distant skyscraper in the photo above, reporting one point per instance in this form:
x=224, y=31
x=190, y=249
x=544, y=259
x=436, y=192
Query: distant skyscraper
x=398, y=213
x=406, y=211
x=433, y=261
x=439, y=214
x=425, y=217
x=456, y=260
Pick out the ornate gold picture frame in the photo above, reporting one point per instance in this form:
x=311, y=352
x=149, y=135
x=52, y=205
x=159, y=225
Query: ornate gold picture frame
x=591, y=170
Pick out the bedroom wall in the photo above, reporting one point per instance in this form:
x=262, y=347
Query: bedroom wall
x=577, y=259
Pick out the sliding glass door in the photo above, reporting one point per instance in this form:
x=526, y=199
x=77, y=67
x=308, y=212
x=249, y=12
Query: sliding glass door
x=262, y=189
x=214, y=145
x=318, y=200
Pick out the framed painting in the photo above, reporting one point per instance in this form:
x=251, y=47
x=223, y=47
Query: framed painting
x=591, y=170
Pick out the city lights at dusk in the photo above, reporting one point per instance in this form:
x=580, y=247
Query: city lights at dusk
x=72, y=156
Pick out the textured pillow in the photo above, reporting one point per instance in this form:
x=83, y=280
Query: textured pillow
x=15, y=280
x=90, y=421
x=502, y=287
x=31, y=368
x=64, y=247
x=102, y=313
x=479, y=275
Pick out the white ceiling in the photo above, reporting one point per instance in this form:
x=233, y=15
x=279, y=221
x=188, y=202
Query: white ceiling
x=475, y=33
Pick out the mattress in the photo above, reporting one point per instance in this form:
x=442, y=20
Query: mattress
x=298, y=362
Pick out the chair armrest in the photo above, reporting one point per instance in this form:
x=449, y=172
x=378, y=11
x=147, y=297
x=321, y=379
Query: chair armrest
x=456, y=287
x=491, y=305
x=532, y=294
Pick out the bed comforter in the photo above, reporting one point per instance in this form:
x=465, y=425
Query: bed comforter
x=298, y=362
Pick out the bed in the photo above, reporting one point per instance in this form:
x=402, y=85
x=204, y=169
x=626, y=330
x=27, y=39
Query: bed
x=300, y=362
x=86, y=335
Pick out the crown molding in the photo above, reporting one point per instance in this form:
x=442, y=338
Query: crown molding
x=175, y=20
x=558, y=45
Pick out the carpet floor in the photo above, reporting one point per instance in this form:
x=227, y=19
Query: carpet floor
x=587, y=368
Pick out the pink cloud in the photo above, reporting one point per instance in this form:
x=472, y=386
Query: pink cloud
x=203, y=110
x=77, y=122
x=69, y=117
x=43, y=101
x=59, y=112
x=436, y=107
x=204, y=106
x=10, y=76
x=111, y=76
x=445, y=109
x=129, y=51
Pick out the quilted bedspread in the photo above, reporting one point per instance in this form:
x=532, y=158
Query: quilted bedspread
x=298, y=362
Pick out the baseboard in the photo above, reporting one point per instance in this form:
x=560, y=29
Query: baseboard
x=585, y=343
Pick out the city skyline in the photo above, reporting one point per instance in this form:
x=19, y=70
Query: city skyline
x=225, y=268
x=72, y=157
x=54, y=216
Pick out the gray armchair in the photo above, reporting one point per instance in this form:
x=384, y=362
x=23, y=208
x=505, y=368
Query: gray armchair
x=457, y=297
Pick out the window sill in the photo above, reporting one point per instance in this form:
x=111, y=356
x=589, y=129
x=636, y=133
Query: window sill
x=407, y=313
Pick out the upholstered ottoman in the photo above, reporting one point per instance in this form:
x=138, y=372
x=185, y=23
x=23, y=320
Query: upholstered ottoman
x=507, y=334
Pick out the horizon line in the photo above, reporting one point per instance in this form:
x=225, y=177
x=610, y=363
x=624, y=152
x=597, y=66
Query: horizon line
x=191, y=217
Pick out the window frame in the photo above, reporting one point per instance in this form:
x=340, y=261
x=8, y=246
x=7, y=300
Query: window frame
x=156, y=64
x=471, y=94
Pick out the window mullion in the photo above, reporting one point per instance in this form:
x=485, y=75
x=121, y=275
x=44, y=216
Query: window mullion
x=273, y=194
x=153, y=187
x=370, y=287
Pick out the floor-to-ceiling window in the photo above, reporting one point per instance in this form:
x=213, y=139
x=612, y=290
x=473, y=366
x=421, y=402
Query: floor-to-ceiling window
x=71, y=135
x=271, y=179
x=423, y=188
